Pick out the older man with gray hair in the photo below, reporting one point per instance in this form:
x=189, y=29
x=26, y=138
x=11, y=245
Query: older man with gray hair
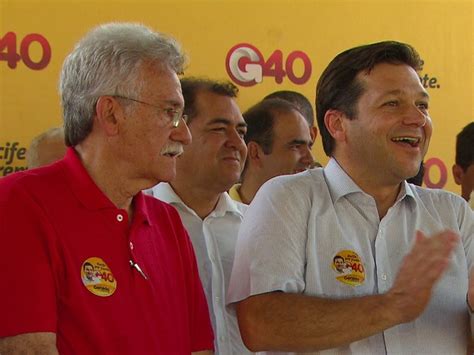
x=123, y=115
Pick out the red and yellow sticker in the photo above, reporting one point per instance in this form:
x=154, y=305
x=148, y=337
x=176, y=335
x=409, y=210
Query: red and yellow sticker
x=97, y=277
x=349, y=268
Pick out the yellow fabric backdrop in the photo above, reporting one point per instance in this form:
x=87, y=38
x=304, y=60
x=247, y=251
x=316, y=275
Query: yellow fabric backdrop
x=284, y=31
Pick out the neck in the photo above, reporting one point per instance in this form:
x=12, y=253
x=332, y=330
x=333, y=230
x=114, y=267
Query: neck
x=108, y=175
x=383, y=192
x=249, y=187
x=201, y=200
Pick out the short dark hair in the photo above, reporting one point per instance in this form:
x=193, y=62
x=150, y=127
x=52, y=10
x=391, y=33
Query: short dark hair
x=192, y=85
x=299, y=100
x=260, y=120
x=465, y=147
x=418, y=178
x=87, y=264
x=338, y=87
x=337, y=257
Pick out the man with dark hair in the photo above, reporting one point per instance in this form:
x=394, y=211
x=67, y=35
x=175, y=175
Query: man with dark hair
x=85, y=216
x=463, y=170
x=278, y=143
x=409, y=248
x=301, y=102
x=208, y=167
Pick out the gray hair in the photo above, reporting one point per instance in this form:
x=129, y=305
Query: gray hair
x=107, y=61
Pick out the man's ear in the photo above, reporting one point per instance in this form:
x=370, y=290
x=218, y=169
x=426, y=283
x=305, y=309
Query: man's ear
x=108, y=114
x=458, y=174
x=313, y=132
x=334, y=122
x=254, y=153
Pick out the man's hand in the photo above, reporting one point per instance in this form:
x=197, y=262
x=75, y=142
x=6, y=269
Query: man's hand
x=419, y=272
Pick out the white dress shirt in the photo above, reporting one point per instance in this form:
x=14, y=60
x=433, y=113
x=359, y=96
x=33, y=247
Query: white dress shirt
x=296, y=226
x=214, y=241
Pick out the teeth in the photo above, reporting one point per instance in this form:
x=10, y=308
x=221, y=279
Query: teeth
x=409, y=140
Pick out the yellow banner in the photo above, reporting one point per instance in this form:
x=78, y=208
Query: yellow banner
x=262, y=46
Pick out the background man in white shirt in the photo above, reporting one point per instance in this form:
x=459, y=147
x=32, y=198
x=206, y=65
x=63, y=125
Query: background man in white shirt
x=278, y=142
x=463, y=170
x=208, y=167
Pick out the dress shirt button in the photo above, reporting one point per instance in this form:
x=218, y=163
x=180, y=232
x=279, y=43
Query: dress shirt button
x=119, y=217
x=131, y=246
x=384, y=277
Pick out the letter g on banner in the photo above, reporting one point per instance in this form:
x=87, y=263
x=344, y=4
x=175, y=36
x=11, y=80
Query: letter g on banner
x=244, y=64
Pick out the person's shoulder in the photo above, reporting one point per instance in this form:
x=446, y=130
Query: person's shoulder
x=436, y=195
x=303, y=180
x=301, y=184
x=38, y=179
x=439, y=199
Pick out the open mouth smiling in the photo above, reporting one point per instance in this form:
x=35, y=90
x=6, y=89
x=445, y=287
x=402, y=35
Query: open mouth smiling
x=411, y=141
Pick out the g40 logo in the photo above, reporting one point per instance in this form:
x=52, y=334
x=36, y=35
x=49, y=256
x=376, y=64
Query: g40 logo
x=246, y=65
x=9, y=50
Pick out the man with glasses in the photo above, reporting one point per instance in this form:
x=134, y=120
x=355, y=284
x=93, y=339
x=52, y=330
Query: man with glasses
x=208, y=167
x=123, y=119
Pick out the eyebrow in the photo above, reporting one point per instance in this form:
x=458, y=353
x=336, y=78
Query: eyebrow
x=299, y=141
x=398, y=92
x=225, y=121
x=174, y=103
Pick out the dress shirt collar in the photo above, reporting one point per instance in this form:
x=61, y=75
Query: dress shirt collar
x=340, y=183
x=225, y=204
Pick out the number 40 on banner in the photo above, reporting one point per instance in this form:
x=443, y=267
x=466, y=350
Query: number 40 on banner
x=9, y=50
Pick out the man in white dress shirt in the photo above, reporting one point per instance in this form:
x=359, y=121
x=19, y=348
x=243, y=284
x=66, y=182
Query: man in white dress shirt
x=407, y=249
x=463, y=170
x=208, y=167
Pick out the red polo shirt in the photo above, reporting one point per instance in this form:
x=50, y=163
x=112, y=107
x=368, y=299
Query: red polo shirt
x=65, y=268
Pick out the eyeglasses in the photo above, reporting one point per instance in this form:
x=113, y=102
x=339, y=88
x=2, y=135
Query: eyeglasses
x=173, y=115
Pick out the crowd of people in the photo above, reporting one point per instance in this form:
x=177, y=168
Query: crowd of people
x=169, y=222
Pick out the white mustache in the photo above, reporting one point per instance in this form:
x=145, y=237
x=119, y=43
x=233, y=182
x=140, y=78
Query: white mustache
x=173, y=148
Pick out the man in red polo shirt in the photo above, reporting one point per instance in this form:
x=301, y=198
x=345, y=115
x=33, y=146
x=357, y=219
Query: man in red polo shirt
x=95, y=266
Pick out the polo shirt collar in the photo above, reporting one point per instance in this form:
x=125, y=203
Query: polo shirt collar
x=225, y=204
x=88, y=193
x=340, y=184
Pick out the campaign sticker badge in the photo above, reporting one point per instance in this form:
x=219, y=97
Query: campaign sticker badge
x=349, y=268
x=97, y=277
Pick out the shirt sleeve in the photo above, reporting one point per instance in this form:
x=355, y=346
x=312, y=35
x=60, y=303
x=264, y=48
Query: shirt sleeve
x=271, y=246
x=28, y=300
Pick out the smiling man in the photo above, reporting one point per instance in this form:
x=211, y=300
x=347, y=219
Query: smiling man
x=97, y=266
x=407, y=249
x=279, y=143
x=208, y=167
